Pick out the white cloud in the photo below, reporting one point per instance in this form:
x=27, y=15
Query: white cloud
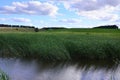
x=88, y=5
x=31, y=7
x=70, y=21
x=21, y=20
x=2, y=19
x=95, y=9
x=104, y=14
x=25, y=20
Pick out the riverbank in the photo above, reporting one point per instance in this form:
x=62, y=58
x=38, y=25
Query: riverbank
x=66, y=44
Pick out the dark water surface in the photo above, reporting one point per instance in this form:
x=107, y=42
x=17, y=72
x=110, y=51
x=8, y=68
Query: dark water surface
x=18, y=69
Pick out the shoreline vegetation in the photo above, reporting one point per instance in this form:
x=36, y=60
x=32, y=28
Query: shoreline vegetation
x=61, y=44
x=3, y=76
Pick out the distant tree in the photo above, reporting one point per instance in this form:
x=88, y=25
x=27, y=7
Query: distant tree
x=52, y=28
x=5, y=25
x=16, y=26
x=31, y=27
x=36, y=29
x=108, y=27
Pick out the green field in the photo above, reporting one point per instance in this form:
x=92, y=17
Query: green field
x=63, y=44
x=10, y=29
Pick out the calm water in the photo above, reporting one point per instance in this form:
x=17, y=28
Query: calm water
x=84, y=70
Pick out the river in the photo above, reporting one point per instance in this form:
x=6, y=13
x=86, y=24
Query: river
x=21, y=69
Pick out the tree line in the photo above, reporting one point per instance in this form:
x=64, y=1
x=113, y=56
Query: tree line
x=108, y=27
x=16, y=26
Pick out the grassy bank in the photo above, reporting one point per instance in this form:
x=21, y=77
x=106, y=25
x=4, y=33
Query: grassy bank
x=62, y=44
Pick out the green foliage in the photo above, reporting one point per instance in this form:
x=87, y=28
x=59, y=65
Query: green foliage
x=3, y=76
x=62, y=44
x=36, y=29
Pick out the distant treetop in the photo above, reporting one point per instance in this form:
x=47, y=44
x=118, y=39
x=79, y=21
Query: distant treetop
x=108, y=27
x=52, y=28
x=17, y=26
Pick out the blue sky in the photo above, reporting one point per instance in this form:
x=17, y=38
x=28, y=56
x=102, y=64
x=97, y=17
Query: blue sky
x=60, y=13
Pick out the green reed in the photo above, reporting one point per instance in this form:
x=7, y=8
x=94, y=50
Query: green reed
x=62, y=44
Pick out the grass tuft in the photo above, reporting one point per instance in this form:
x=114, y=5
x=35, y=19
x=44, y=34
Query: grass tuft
x=3, y=76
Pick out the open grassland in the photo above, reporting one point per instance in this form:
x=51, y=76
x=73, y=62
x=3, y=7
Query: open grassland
x=64, y=44
x=13, y=29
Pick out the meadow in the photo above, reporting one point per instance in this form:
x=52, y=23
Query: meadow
x=62, y=44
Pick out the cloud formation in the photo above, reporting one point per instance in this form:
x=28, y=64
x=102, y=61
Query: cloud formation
x=2, y=19
x=89, y=5
x=25, y=20
x=94, y=9
x=21, y=20
x=70, y=21
x=31, y=7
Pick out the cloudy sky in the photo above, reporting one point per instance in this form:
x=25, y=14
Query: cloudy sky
x=60, y=13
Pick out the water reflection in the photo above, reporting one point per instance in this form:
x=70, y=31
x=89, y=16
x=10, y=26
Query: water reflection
x=36, y=70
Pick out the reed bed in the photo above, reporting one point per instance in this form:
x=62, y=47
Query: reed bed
x=67, y=44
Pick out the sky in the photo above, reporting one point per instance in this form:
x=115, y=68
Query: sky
x=60, y=13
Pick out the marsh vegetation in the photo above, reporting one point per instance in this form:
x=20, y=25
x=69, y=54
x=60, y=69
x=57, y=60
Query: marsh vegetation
x=62, y=44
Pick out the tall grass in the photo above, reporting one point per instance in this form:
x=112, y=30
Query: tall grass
x=62, y=45
x=3, y=76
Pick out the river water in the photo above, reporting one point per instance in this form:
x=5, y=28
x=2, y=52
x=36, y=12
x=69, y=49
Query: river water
x=19, y=69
